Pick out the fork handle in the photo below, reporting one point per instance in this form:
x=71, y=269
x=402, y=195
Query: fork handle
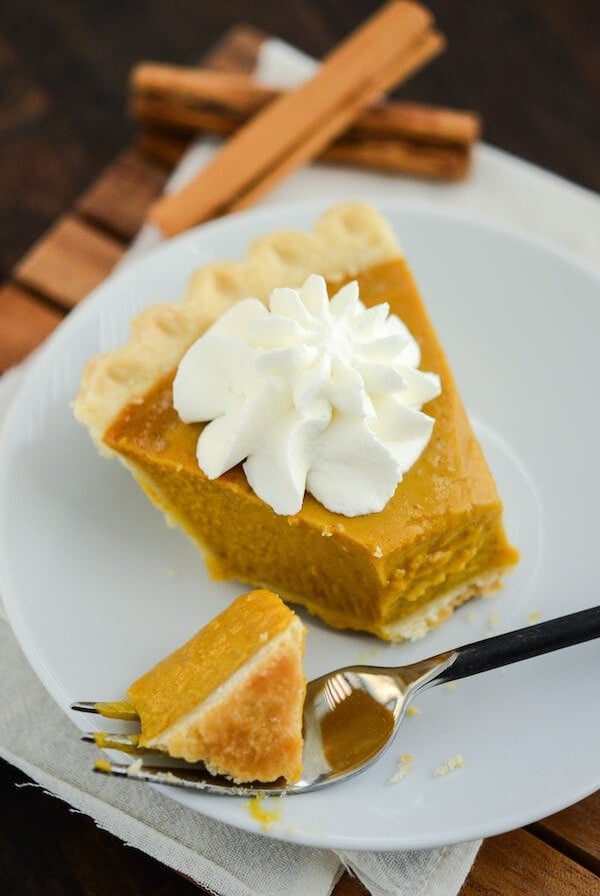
x=522, y=644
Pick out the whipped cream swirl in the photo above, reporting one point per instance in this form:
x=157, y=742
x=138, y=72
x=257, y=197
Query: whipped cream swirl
x=311, y=394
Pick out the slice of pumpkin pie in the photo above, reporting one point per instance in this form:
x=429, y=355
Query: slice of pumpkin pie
x=232, y=696
x=296, y=416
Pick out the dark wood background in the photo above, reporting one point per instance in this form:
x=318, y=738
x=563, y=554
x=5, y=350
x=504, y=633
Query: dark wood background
x=530, y=67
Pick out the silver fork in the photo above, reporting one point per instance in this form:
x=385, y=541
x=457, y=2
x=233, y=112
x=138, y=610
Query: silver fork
x=352, y=715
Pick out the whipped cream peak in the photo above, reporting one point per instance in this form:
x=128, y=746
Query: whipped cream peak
x=310, y=394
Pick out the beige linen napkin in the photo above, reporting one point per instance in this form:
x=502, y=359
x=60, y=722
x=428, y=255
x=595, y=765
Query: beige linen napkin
x=39, y=739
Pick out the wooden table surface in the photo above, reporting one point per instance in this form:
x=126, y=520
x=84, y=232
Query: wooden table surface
x=73, y=193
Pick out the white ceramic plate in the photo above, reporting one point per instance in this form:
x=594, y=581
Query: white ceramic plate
x=98, y=589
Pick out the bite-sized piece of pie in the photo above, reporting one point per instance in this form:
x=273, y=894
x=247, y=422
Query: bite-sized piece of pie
x=232, y=696
x=401, y=521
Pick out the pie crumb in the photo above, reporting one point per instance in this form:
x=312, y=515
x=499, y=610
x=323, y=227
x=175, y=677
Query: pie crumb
x=266, y=813
x=413, y=711
x=454, y=762
x=404, y=767
x=494, y=621
x=135, y=767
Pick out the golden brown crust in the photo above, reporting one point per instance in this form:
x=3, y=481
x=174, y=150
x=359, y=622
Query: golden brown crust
x=346, y=239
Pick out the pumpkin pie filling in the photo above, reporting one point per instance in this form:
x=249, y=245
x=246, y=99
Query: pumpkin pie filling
x=232, y=696
x=439, y=540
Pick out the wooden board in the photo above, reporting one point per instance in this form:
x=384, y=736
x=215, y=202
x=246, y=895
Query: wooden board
x=520, y=863
x=557, y=857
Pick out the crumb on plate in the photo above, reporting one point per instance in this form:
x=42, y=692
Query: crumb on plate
x=403, y=768
x=454, y=762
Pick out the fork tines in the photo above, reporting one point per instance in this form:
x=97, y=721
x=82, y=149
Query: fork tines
x=194, y=776
x=175, y=773
x=116, y=709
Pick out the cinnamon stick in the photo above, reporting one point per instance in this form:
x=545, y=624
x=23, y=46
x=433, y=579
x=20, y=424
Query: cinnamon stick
x=233, y=91
x=190, y=100
x=398, y=69
x=296, y=126
x=403, y=157
x=398, y=156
